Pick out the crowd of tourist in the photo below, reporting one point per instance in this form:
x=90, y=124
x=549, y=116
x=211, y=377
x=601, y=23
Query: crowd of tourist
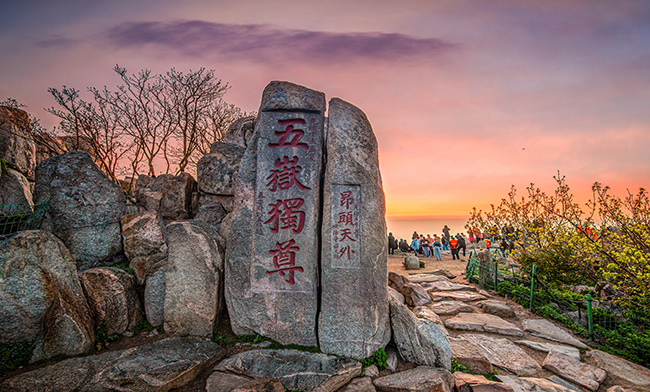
x=429, y=246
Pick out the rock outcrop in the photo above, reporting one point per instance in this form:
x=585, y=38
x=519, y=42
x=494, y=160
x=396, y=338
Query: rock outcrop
x=193, y=280
x=169, y=195
x=16, y=141
x=41, y=299
x=145, y=242
x=85, y=208
x=296, y=370
x=112, y=299
x=160, y=366
x=419, y=341
x=15, y=190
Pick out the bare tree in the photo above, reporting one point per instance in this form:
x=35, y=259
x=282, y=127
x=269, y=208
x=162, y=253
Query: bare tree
x=193, y=98
x=142, y=106
x=173, y=117
x=94, y=128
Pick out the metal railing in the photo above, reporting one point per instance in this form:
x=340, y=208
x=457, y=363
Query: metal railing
x=17, y=218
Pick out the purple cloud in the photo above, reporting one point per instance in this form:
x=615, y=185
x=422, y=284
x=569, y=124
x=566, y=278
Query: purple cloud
x=56, y=41
x=263, y=43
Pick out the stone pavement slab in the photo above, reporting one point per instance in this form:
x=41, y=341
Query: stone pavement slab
x=619, y=368
x=464, y=296
x=450, y=308
x=575, y=371
x=532, y=384
x=481, y=322
x=504, y=354
x=546, y=347
x=547, y=330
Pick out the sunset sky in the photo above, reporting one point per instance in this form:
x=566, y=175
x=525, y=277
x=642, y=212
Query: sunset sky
x=466, y=97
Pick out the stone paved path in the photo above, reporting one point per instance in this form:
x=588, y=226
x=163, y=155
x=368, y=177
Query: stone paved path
x=529, y=353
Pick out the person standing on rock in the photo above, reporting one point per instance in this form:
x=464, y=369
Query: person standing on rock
x=445, y=243
x=462, y=244
x=424, y=244
x=404, y=245
x=437, y=247
x=415, y=245
x=392, y=244
x=445, y=232
x=430, y=241
x=453, y=244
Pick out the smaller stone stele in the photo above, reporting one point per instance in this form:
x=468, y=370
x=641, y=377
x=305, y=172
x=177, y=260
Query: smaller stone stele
x=354, y=317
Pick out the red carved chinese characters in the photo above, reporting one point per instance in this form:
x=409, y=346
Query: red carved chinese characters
x=346, y=199
x=290, y=131
x=285, y=176
x=285, y=215
x=345, y=226
x=284, y=260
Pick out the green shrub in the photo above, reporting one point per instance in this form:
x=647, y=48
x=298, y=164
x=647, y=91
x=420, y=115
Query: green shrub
x=15, y=355
x=378, y=358
x=456, y=367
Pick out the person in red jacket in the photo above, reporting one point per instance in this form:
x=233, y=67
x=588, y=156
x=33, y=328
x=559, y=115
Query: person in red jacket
x=453, y=244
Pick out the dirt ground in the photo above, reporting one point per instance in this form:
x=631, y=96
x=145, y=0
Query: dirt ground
x=454, y=266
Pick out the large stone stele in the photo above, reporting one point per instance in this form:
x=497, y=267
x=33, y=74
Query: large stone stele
x=296, y=370
x=41, y=300
x=193, y=282
x=112, y=298
x=85, y=208
x=159, y=366
x=354, y=317
x=170, y=195
x=272, y=248
x=16, y=141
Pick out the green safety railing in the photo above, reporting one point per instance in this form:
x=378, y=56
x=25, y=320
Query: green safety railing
x=601, y=322
x=17, y=218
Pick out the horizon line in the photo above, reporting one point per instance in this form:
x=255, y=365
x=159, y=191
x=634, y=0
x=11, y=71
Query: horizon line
x=425, y=217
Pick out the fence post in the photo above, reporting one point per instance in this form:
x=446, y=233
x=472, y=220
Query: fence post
x=532, y=288
x=496, y=272
x=590, y=317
